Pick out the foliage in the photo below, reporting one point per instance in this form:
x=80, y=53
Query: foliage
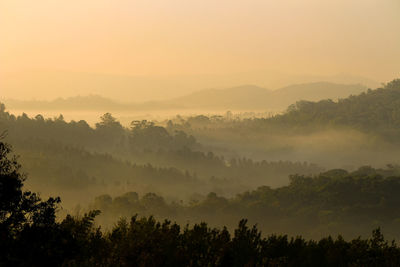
x=74, y=156
x=375, y=111
x=335, y=201
x=32, y=237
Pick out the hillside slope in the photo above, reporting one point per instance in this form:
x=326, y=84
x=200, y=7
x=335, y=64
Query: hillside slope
x=377, y=110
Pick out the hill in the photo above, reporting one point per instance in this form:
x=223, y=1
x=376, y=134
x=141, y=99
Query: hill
x=90, y=102
x=250, y=97
x=45, y=84
x=314, y=92
x=375, y=110
x=85, y=103
x=246, y=97
x=241, y=97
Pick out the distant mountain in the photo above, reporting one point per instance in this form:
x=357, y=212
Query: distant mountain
x=91, y=102
x=246, y=97
x=85, y=103
x=47, y=85
x=241, y=97
x=250, y=97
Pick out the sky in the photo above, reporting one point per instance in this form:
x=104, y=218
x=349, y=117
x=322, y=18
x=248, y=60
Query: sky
x=186, y=38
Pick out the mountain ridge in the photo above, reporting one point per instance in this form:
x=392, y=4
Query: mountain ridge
x=244, y=97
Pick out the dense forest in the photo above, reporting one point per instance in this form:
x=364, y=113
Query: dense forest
x=140, y=195
x=70, y=156
x=333, y=202
x=32, y=236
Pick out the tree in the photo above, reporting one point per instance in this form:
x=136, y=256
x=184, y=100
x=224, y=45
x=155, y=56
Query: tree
x=29, y=232
x=18, y=207
x=107, y=120
x=110, y=131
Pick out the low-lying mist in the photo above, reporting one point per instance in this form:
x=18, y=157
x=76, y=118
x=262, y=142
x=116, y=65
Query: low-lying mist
x=285, y=171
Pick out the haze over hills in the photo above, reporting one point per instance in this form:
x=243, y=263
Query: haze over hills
x=250, y=97
x=139, y=133
x=241, y=97
x=246, y=97
x=48, y=85
x=314, y=92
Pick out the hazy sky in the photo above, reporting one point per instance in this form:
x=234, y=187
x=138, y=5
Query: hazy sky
x=186, y=37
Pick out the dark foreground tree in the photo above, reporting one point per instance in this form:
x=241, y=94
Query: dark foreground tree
x=23, y=215
x=29, y=232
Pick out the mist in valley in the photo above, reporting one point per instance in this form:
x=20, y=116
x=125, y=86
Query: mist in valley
x=185, y=166
x=199, y=133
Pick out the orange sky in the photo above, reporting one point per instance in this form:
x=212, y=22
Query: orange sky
x=186, y=37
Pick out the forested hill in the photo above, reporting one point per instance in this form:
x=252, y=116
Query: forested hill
x=373, y=110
